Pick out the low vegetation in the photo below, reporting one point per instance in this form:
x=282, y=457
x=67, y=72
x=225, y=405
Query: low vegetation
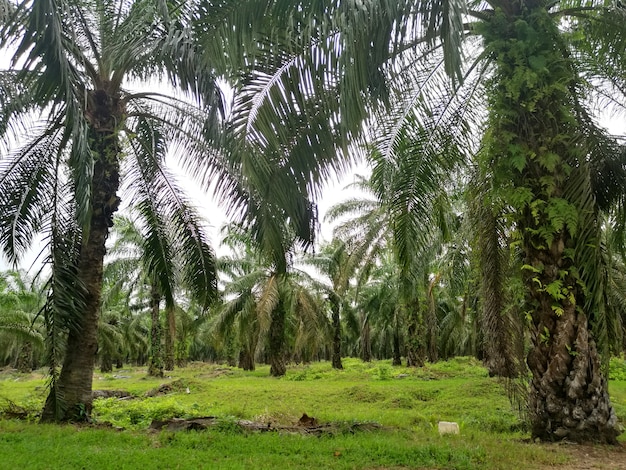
x=404, y=403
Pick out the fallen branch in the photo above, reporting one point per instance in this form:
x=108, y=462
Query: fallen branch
x=197, y=424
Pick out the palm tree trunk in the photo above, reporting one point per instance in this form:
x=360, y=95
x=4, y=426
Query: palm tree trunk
x=432, y=347
x=366, y=340
x=155, y=368
x=170, y=337
x=397, y=354
x=277, y=341
x=535, y=152
x=416, y=332
x=24, y=361
x=106, y=363
x=246, y=359
x=568, y=393
x=336, y=319
x=70, y=395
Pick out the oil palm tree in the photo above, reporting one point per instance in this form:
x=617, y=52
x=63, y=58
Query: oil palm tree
x=67, y=99
x=168, y=252
x=542, y=67
x=21, y=326
x=337, y=265
x=266, y=306
x=406, y=215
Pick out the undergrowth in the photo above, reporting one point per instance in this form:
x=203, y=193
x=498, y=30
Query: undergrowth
x=405, y=403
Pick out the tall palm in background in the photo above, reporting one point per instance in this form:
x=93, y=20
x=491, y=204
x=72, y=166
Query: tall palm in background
x=337, y=263
x=122, y=332
x=159, y=257
x=406, y=217
x=72, y=63
x=265, y=309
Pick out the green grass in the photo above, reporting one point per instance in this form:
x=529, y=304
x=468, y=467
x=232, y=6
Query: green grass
x=408, y=403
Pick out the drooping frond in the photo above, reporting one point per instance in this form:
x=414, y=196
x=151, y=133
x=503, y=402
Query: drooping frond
x=176, y=238
x=27, y=189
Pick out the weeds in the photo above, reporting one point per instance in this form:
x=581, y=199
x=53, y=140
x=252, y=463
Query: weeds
x=403, y=406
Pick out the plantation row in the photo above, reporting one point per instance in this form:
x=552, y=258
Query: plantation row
x=493, y=222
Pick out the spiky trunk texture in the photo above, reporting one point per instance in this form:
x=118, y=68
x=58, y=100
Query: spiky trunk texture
x=535, y=155
x=336, y=320
x=277, y=341
x=24, y=361
x=170, y=337
x=70, y=397
x=497, y=330
x=106, y=363
x=246, y=360
x=568, y=393
x=416, y=332
x=155, y=367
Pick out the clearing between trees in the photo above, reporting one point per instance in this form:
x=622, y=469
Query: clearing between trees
x=370, y=415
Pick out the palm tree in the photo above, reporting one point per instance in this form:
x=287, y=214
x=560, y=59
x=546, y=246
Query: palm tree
x=73, y=62
x=542, y=66
x=380, y=301
x=266, y=305
x=21, y=328
x=338, y=266
x=168, y=258
x=406, y=215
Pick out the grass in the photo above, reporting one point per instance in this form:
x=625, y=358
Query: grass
x=408, y=403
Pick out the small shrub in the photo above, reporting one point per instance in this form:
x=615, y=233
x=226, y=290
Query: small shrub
x=383, y=372
x=617, y=368
x=298, y=375
x=139, y=413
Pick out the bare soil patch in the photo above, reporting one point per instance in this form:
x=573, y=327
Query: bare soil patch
x=592, y=457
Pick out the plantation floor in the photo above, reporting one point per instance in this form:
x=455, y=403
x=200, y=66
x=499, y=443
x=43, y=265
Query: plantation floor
x=586, y=457
x=405, y=404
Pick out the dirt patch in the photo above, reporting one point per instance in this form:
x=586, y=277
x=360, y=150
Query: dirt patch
x=591, y=457
x=179, y=385
x=217, y=372
x=110, y=394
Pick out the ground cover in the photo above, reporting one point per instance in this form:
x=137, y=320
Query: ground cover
x=406, y=405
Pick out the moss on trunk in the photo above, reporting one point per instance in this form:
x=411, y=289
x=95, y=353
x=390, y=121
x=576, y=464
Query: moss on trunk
x=534, y=150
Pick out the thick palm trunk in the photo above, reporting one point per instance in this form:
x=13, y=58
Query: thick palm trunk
x=155, y=367
x=246, y=359
x=170, y=337
x=534, y=149
x=277, y=342
x=70, y=395
x=24, y=362
x=106, y=363
x=416, y=334
x=568, y=393
x=336, y=320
